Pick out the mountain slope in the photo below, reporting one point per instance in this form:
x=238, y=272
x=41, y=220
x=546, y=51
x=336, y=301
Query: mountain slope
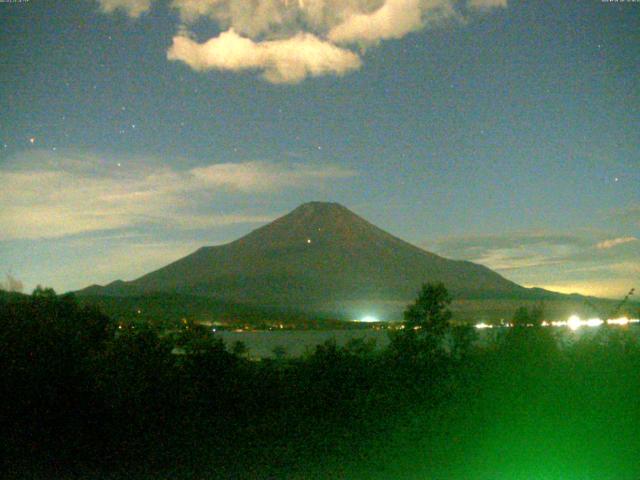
x=319, y=256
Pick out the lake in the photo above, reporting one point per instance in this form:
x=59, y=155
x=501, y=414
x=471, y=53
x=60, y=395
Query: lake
x=298, y=342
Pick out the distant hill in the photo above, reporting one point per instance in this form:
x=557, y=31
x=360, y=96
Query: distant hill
x=322, y=258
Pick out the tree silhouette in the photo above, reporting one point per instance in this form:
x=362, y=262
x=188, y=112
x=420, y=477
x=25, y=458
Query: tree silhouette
x=426, y=324
x=429, y=314
x=521, y=317
x=524, y=317
x=239, y=348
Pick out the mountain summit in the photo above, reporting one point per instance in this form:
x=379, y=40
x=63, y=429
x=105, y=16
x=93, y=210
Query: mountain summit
x=319, y=257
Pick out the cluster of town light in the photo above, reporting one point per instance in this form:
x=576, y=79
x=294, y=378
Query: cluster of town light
x=574, y=322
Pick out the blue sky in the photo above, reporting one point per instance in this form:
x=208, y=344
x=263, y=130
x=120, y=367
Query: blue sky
x=135, y=131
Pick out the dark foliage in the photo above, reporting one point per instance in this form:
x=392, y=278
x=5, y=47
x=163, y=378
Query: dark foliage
x=525, y=317
x=84, y=397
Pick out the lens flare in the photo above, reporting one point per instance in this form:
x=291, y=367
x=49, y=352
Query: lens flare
x=594, y=322
x=618, y=321
x=574, y=322
x=483, y=325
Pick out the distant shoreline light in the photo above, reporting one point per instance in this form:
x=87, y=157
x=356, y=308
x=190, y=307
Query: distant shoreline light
x=574, y=322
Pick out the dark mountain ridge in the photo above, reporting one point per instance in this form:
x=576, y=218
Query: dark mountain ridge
x=320, y=257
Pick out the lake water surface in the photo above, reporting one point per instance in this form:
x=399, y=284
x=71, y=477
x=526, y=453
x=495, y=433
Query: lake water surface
x=298, y=342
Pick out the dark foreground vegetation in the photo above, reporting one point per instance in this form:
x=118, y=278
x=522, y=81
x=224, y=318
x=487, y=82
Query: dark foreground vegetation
x=81, y=397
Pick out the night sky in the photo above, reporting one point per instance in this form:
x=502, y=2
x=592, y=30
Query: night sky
x=134, y=131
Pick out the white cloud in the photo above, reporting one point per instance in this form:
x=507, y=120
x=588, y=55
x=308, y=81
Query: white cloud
x=282, y=61
x=46, y=196
x=273, y=18
x=290, y=40
x=133, y=8
x=394, y=19
x=614, y=242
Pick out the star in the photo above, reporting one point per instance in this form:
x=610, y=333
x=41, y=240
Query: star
x=32, y=140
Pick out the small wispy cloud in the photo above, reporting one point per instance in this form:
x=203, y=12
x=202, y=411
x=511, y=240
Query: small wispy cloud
x=290, y=40
x=47, y=195
x=480, y=4
x=614, y=242
x=133, y=8
x=262, y=176
x=513, y=250
x=584, y=260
